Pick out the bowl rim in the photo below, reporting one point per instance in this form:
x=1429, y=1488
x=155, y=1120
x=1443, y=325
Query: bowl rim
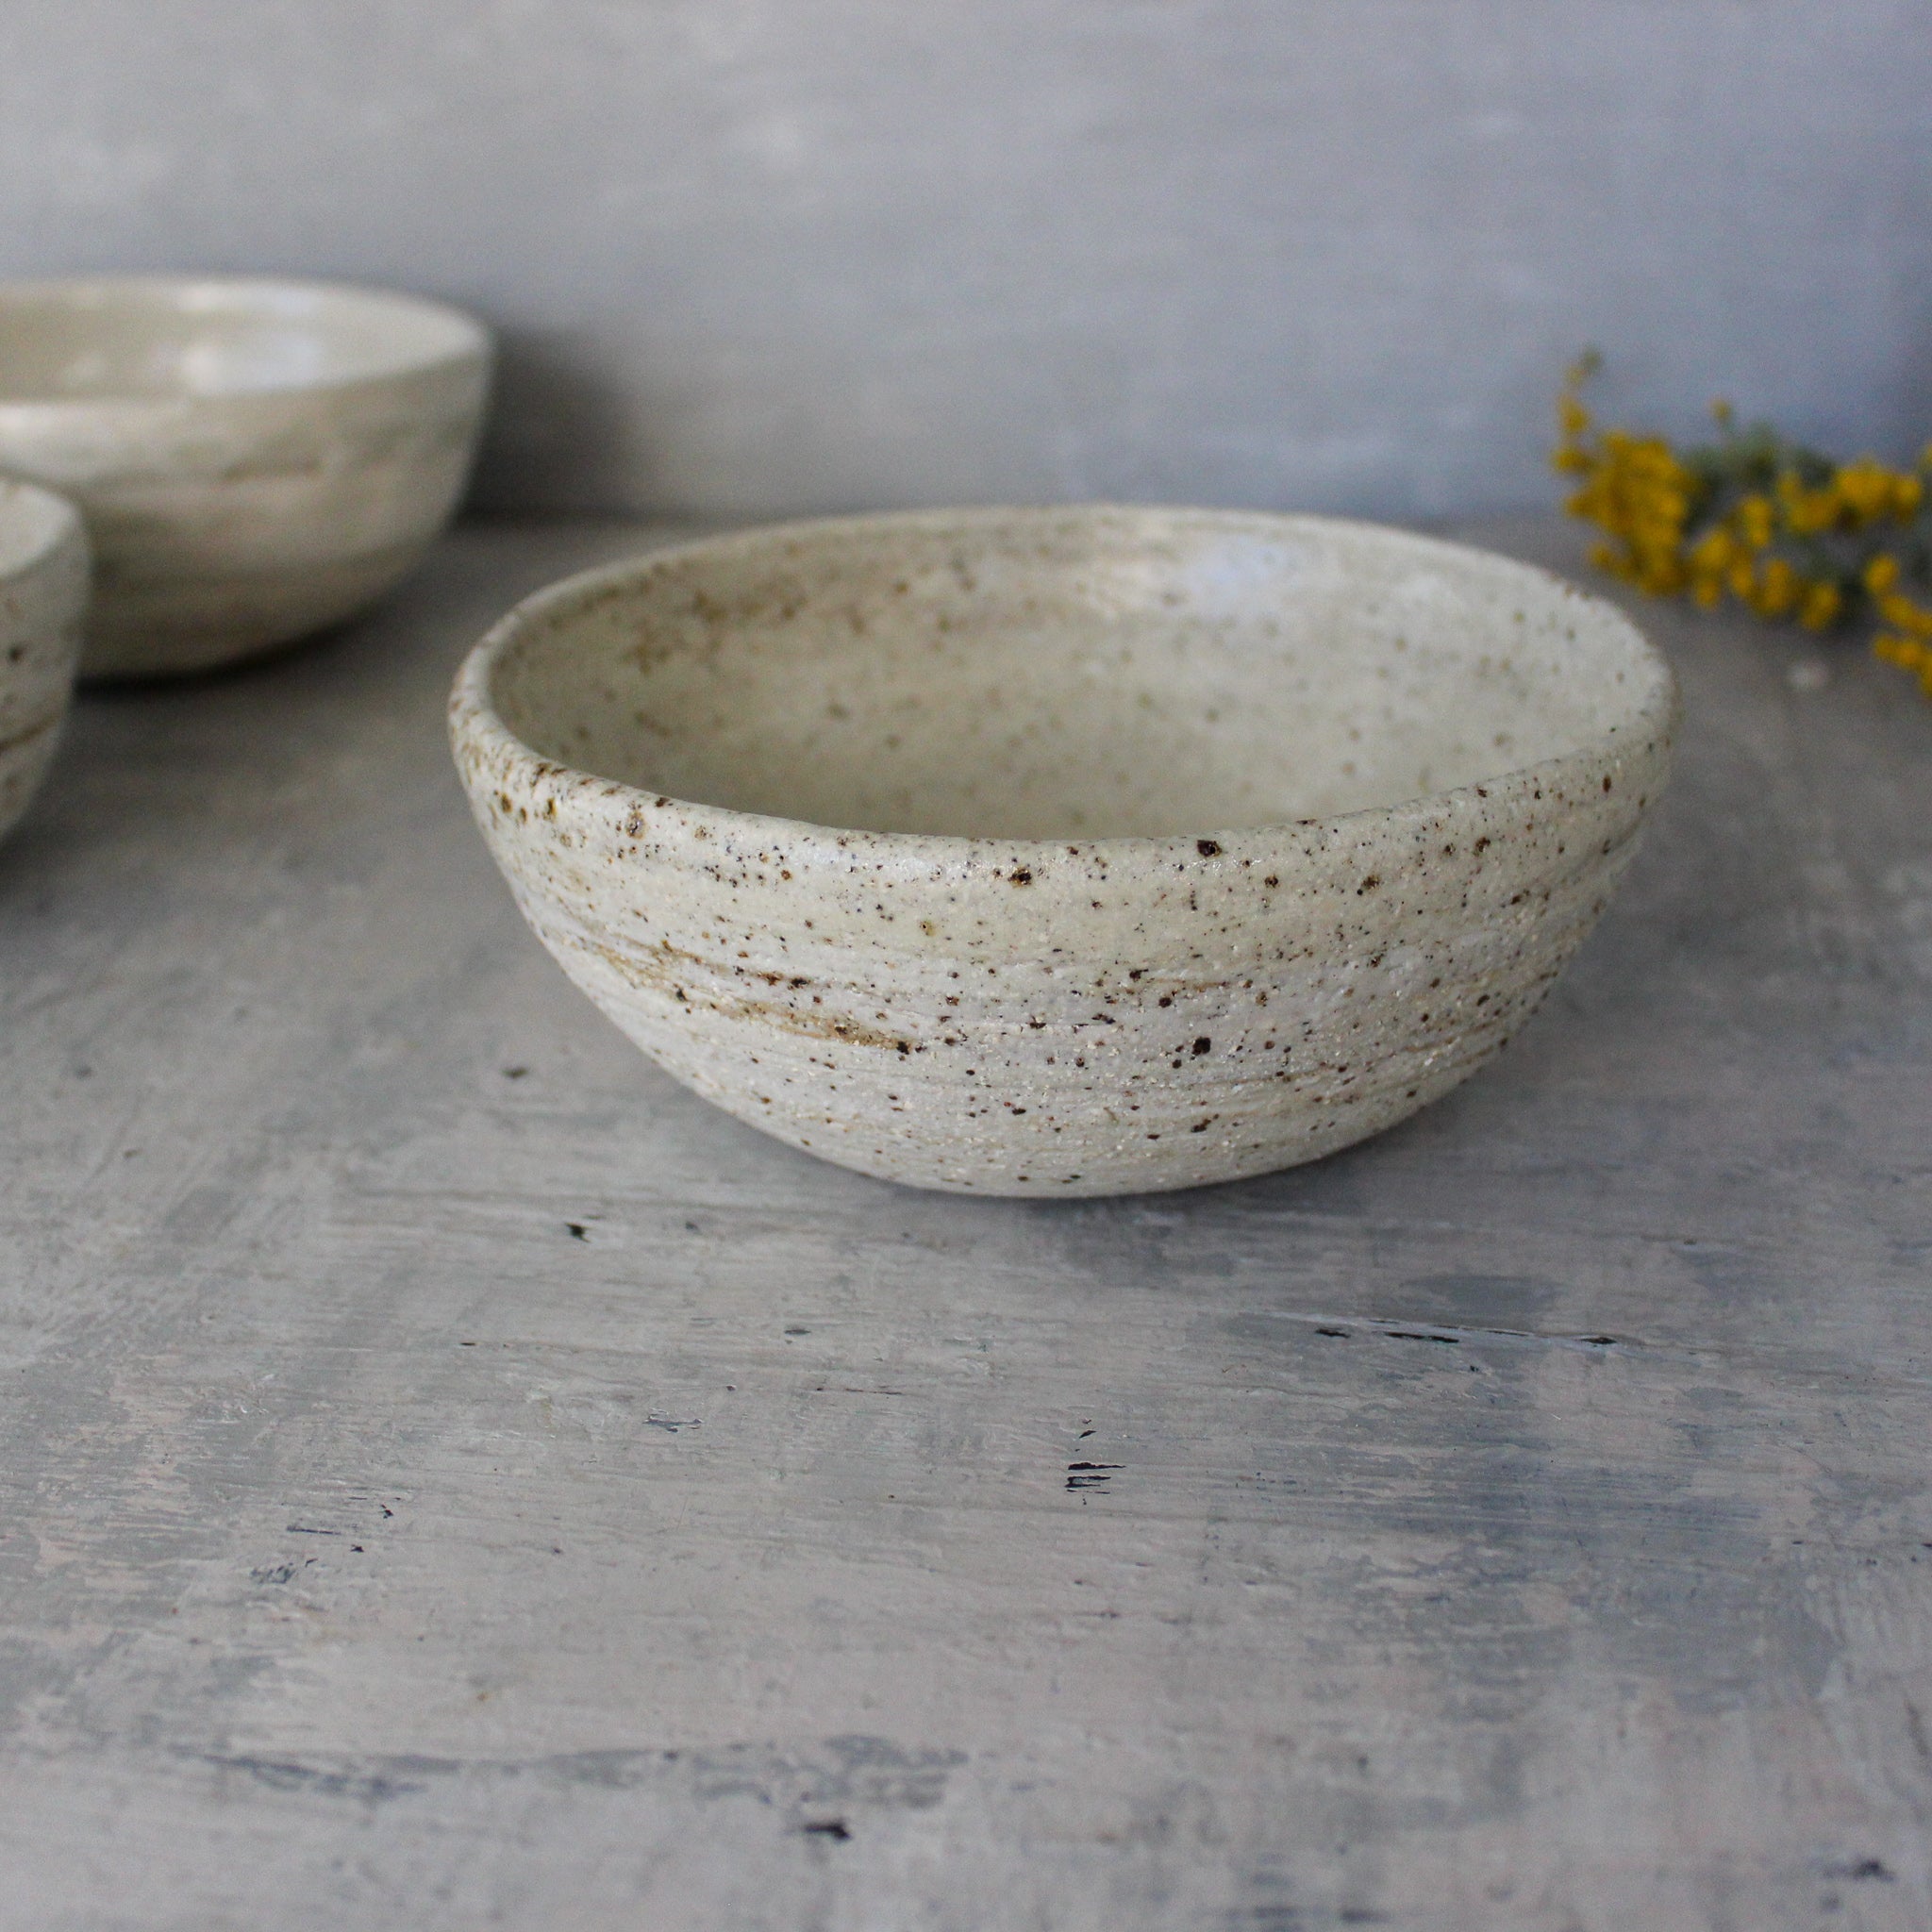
x=474, y=721
x=469, y=338
x=60, y=527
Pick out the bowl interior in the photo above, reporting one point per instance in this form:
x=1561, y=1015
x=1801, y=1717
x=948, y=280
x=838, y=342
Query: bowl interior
x=146, y=339
x=1051, y=674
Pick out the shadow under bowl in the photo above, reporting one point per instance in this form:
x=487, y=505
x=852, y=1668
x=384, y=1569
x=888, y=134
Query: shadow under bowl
x=1065, y=852
x=256, y=458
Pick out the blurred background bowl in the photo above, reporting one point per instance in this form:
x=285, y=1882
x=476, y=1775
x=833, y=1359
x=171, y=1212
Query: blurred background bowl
x=256, y=459
x=1065, y=852
x=43, y=571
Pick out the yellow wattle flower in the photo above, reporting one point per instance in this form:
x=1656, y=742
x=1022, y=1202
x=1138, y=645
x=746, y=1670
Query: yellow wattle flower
x=1821, y=605
x=1907, y=615
x=1907, y=655
x=1674, y=527
x=1778, y=589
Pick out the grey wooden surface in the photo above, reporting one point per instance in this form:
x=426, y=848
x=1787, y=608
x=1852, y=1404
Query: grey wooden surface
x=451, y=1477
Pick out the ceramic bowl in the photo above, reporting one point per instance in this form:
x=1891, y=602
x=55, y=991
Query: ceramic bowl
x=1063, y=851
x=43, y=568
x=256, y=459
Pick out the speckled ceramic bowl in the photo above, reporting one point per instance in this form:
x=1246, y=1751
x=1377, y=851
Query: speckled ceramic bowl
x=1064, y=852
x=43, y=599
x=256, y=459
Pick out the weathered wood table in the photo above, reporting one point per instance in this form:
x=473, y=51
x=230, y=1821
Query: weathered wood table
x=452, y=1476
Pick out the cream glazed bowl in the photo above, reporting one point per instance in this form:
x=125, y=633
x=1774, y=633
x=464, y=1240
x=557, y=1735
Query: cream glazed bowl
x=256, y=458
x=43, y=570
x=1064, y=852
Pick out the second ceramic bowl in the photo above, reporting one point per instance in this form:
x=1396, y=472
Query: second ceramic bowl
x=1065, y=851
x=256, y=459
x=43, y=596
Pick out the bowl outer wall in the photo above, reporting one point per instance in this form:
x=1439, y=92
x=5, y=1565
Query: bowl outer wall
x=1068, y=1018
x=227, y=525
x=42, y=606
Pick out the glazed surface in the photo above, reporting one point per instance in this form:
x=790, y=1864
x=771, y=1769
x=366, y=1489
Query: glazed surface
x=255, y=459
x=157, y=338
x=1068, y=675
x=1274, y=940
x=44, y=578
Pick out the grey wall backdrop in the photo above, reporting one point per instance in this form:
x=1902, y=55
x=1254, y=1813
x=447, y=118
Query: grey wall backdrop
x=754, y=257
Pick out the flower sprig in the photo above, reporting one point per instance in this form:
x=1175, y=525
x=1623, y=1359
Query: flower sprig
x=1784, y=531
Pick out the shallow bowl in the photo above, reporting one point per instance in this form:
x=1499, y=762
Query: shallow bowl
x=1062, y=852
x=256, y=459
x=43, y=572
